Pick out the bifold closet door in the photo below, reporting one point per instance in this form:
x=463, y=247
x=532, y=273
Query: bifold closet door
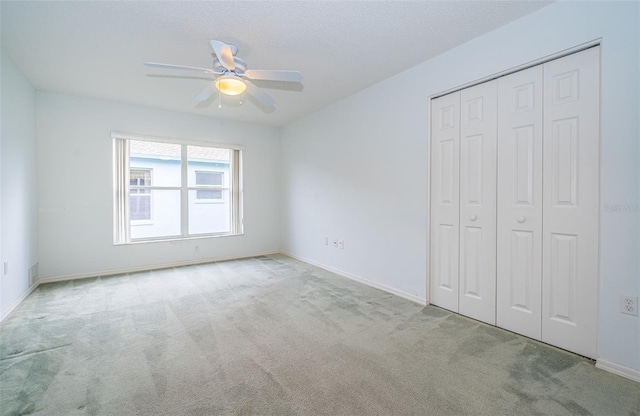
x=571, y=146
x=445, y=189
x=520, y=248
x=478, y=130
x=519, y=235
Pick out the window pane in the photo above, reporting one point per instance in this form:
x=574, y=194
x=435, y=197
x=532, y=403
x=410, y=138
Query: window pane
x=140, y=207
x=208, y=165
x=209, y=218
x=209, y=178
x=140, y=199
x=163, y=158
x=164, y=220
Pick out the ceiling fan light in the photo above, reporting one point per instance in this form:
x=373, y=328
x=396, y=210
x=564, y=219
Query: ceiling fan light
x=230, y=85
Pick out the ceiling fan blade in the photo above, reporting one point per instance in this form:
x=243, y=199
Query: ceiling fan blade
x=206, y=93
x=224, y=54
x=270, y=75
x=171, y=66
x=259, y=95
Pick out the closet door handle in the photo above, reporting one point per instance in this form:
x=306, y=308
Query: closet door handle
x=520, y=219
x=473, y=217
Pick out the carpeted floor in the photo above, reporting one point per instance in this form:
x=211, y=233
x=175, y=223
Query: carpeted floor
x=274, y=336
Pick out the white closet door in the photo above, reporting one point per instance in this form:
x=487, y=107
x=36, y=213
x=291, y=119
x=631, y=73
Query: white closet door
x=445, y=207
x=519, y=235
x=571, y=200
x=478, y=130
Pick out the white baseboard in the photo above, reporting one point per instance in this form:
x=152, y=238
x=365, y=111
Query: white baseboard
x=148, y=267
x=359, y=279
x=618, y=369
x=5, y=314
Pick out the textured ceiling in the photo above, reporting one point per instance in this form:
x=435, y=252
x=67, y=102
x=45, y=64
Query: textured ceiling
x=97, y=49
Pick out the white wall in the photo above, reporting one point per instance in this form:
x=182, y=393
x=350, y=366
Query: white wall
x=358, y=169
x=75, y=186
x=18, y=212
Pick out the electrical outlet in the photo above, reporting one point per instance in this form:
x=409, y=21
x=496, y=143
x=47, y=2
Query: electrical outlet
x=335, y=243
x=341, y=244
x=629, y=305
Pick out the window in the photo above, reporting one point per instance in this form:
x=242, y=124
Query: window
x=140, y=194
x=212, y=183
x=168, y=190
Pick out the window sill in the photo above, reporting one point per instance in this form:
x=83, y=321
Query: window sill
x=174, y=240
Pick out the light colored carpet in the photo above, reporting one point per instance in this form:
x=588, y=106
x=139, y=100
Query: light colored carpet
x=274, y=336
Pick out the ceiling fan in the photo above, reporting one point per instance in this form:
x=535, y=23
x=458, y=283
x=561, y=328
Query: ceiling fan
x=232, y=76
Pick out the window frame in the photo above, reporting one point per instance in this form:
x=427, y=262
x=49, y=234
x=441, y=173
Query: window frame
x=121, y=172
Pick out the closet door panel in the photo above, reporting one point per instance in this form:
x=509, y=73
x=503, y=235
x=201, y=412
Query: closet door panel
x=478, y=129
x=445, y=206
x=519, y=200
x=571, y=201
